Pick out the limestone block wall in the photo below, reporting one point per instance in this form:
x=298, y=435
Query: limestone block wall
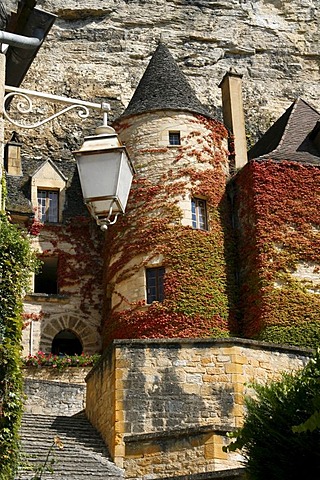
x=77, y=306
x=50, y=392
x=99, y=50
x=176, y=399
x=105, y=405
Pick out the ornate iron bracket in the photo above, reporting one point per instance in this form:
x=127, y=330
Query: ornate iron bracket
x=25, y=106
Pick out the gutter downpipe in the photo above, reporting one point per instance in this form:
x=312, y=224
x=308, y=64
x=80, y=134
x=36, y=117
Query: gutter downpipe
x=20, y=41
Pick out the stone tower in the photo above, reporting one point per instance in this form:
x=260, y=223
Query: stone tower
x=166, y=271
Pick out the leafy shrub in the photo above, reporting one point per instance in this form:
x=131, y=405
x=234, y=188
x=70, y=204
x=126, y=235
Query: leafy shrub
x=16, y=263
x=275, y=445
x=306, y=334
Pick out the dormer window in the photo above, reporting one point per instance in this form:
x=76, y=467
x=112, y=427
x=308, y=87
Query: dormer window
x=48, y=206
x=48, y=186
x=174, y=138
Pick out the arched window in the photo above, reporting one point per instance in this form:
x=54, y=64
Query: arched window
x=66, y=343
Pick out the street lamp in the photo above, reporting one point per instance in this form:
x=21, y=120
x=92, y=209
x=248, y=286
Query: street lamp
x=106, y=173
x=104, y=167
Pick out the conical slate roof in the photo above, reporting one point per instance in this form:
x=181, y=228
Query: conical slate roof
x=291, y=137
x=163, y=87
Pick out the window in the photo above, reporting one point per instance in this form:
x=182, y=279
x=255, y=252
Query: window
x=46, y=281
x=66, y=343
x=154, y=277
x=199, y=214
x=174, y=138
x=48, y=205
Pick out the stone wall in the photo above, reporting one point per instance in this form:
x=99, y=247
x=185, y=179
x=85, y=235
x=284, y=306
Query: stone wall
x=50, y=392
x=78, y=305
x=99, y=50
x=176, y=399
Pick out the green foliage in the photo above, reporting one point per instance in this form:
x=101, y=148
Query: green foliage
x=16, y=263
x=274, y=438
x=304, y=335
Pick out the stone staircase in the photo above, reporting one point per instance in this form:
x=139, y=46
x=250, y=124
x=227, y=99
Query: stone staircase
x=83, y=456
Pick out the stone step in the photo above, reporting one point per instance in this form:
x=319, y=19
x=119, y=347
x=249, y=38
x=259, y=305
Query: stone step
x=83, y=456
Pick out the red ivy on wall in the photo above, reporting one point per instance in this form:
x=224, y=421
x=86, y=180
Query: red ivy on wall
x=78, y=244
x=198, y=294
x=278, y=207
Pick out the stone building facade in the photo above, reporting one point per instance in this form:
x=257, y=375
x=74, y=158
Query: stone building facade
x=211, y=246
x=164, y=407
x=65, y=298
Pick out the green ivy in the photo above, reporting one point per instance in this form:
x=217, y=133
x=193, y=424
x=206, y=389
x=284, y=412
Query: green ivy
x=303, y=335
x=17, y=261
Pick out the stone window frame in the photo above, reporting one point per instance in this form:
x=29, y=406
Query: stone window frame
x=174, y=138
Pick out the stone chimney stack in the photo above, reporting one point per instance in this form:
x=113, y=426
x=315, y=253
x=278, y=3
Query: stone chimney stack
x=233, y=115
x=12, y=156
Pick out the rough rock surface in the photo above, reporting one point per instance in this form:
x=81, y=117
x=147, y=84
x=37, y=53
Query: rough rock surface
x=99, y=49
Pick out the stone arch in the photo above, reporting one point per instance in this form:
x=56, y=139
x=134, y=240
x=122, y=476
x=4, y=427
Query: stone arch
x=87, y=334
x=66, y=342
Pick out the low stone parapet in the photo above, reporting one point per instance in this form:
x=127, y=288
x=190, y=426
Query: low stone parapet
x=164, y=407
x=52, y=392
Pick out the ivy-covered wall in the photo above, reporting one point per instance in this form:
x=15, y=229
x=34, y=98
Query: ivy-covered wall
x=16, y=263
x=277, y=209
x=197, y=287
x=78, y=246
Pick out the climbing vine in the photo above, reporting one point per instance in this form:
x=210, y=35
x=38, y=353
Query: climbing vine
x=279, y=238
x=198, y=292
x=78, y=246
x=16, y=263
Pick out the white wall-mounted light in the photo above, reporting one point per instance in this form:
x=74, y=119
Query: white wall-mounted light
x=106, y=173
x=104, y=167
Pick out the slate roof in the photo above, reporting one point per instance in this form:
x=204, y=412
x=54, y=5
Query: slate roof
x=163, y=87
x=19, y=189
x=290, y=137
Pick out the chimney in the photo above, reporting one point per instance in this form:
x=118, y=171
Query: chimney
x=233, y=115
x=12, y=156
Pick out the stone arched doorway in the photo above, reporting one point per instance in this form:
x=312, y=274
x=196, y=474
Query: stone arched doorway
x=66, y=342
x=86, y=334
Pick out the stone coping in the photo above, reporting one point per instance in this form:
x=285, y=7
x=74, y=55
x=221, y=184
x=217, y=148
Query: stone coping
x=199, y=343
x=53, y=382
x=230, y=474
x=70, y=375
x=179, y=432
x=47, y=297
x=205, y=342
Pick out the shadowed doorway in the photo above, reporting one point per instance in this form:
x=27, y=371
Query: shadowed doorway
x=66, y=343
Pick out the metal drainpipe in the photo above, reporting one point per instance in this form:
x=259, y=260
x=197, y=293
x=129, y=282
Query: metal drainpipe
x=19, y=40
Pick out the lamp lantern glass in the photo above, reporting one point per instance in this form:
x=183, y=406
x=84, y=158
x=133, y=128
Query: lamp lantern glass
x=106, y=173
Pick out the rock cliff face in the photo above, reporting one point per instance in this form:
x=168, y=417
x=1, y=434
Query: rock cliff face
x=100, y=49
